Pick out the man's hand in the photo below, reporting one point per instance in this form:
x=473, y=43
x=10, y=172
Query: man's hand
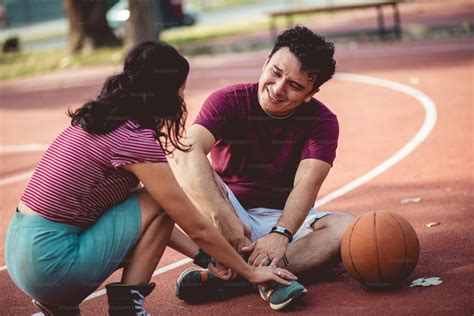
x=269, y=249
x=235, y=232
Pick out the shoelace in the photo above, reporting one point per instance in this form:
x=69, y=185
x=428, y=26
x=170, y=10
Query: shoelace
x=269, y=293
x=139, y=302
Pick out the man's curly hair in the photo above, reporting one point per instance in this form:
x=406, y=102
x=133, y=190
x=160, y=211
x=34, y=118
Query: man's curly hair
x=314, y=52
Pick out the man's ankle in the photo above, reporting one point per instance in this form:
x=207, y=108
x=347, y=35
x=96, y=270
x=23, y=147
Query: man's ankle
x=202, y=259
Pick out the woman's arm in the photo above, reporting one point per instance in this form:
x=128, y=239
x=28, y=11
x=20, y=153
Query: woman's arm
x=161, y=184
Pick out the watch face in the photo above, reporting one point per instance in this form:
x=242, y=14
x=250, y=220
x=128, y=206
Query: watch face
x=280, y=229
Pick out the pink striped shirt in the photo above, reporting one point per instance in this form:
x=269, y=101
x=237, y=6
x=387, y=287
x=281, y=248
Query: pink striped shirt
x=79, y=177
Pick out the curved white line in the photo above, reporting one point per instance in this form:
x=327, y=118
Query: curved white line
x=420, y=136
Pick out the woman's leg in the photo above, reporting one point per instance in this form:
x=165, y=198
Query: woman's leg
x=155, y=231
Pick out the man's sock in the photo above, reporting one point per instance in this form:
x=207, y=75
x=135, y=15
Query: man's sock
x=202, y=259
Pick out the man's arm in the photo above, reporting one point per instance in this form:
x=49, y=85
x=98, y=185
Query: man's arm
x=308, y=180
x=196, y=176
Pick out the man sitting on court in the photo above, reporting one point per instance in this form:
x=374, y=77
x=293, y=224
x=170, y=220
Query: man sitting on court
x=272, y=145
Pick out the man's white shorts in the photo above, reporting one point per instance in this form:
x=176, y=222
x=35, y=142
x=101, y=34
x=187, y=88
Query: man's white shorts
x=260, y=220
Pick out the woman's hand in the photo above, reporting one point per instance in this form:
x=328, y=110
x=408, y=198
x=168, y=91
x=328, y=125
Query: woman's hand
x=221, y=271
x=262, y=275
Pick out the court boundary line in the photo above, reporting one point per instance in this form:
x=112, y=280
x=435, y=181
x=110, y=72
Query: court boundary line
x=422, y=134
x=26, y=148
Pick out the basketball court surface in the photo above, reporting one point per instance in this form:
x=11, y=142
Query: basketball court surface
x=406, y=118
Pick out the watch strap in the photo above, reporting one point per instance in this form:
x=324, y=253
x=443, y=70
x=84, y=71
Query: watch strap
x=282, y=231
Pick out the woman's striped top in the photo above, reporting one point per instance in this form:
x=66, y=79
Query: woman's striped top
x=80, y=175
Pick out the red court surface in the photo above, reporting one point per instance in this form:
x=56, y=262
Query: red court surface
x=428, y=91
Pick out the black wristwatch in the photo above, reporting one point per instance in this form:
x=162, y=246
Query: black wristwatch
x=282, y=231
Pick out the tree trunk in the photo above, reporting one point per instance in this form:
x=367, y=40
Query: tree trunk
x=143, y=24
x=88, y=26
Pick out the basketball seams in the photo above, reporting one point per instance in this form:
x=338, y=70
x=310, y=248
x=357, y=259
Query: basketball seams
x=379, y=268
x=350, y=250
x=405, y=250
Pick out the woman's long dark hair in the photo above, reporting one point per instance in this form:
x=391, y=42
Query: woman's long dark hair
x=146, y=92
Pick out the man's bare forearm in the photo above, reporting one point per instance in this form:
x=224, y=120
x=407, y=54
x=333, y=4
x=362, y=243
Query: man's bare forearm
x=197, y=178
x=298, y=204
x=308, y=180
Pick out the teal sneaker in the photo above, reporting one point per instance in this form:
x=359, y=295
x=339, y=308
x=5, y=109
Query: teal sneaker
x=280, y=296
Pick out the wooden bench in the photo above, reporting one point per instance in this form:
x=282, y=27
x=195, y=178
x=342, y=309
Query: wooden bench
x=378, y=5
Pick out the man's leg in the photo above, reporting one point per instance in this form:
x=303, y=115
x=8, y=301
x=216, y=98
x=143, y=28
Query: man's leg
x=324, y=240
x=181, y=242
x=321, y=246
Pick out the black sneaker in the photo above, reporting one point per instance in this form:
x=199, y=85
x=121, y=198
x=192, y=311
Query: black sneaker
x=128, y=299
x=195, y=285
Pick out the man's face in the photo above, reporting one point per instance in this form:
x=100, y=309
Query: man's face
x=283, y=87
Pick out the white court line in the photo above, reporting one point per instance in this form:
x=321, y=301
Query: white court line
x=16, y=178
x=7, y=149
x=420, y=136
x=426, y=128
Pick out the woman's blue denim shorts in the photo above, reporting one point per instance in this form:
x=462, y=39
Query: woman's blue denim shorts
x=58, y=263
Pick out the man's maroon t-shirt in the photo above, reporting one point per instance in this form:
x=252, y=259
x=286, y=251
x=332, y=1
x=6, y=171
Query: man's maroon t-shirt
x=256, y=155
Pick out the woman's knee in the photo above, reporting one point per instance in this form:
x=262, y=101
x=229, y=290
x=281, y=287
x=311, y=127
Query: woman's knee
x=150, y=209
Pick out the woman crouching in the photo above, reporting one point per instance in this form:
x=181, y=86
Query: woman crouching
x=82, y=217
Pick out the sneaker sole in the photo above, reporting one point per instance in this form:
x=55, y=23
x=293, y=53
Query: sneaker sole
x=42, y=308
x=180, y=278
x=281, y=306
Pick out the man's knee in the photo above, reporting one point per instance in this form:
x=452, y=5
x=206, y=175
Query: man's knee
x=337, y=223
x=343, y=221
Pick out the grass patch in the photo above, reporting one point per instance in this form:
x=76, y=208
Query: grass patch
x=193, y=34
x=211, y=5
x=187, y=35
x=35, y=38
x=23, y=64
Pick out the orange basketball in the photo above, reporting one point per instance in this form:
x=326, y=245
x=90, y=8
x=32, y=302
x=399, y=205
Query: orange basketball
x=380, y=249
